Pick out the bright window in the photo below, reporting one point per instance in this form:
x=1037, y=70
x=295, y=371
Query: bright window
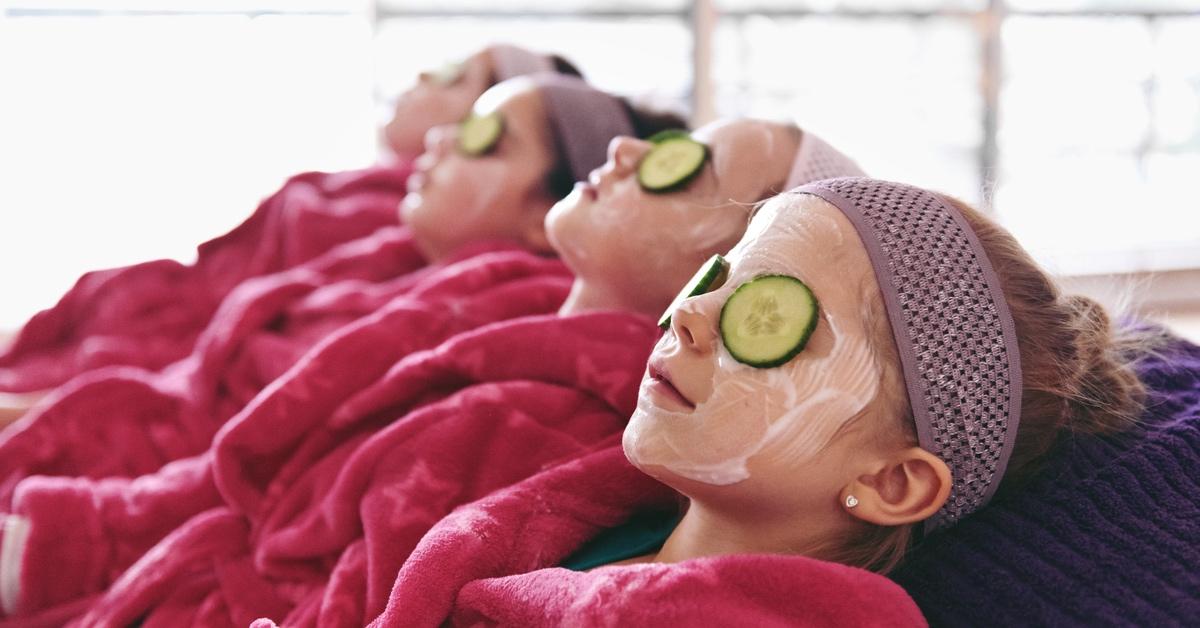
x=132, y=131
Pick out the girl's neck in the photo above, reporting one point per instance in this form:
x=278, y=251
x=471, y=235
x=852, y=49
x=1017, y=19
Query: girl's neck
x=586, y=296
x=705, y=531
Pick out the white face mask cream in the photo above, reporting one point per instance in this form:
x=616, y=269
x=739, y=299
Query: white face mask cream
x=794, y=409
x=621, y=238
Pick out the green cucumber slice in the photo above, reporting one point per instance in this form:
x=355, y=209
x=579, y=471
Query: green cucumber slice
x=446, y=75
x=478, y=134
x=667, y=134
x=671, y=163
x=710, y=277
x=768, y=320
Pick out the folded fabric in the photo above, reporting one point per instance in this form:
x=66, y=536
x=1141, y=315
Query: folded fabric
x=493, y=563
x=150, y=314
x=127, y=421
x=326, y=537
x=1107, y=535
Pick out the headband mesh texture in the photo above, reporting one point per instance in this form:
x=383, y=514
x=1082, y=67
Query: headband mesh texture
x=584, y=119
x=509, y=61
x=952, y=327
x=817, y=160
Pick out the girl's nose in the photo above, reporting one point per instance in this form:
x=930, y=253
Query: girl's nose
x=695, y=323
x=440, y=139
x=624, y=153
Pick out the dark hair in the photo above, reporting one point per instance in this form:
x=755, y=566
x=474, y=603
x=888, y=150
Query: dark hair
x=563, y=66
x=646, y=122
x=560, y=63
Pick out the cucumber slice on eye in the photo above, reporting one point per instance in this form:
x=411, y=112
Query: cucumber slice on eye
x=768, y=320
x=447, y=75
x=671, y=163
x=710, y=277
x=478, y=134
x=667, y=134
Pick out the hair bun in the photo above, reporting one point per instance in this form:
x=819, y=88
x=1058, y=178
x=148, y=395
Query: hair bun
x=1107, y=394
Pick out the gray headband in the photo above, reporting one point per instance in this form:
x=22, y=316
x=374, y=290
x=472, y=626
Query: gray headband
x=952, y=327
x=584, y=119
x=510, y=61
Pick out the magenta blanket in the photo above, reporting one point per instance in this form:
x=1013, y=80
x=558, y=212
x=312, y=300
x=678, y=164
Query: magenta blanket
x=125, y=421
x=330, y=478
x=151, y=314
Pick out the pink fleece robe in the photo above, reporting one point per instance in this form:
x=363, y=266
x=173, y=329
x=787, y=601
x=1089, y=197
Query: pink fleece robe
x=150, y=314
x=124, y=430
x=493, y=562
x=330, y=477
x=317, y=514
x=129, y=421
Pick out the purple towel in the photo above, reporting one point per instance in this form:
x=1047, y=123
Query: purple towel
x=1108, y=534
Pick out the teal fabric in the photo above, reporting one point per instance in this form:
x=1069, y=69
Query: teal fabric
x=644, y=533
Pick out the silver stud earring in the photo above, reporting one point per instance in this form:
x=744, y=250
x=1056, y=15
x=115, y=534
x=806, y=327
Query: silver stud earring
x=851, y=501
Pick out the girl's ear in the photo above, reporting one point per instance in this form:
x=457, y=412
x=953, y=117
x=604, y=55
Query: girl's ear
x=907, y=487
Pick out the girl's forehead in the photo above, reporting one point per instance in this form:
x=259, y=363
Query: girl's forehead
x=730, y=140
x=792, y=220
x=505, y=95
x=798, y=234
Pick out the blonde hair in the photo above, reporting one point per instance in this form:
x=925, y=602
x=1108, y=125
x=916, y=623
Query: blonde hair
x=1077, y=370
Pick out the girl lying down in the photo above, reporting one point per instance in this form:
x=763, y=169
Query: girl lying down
x=871, y=363
x=150, y=314
x=476, y=230
x=446, y=94
x=305, y=482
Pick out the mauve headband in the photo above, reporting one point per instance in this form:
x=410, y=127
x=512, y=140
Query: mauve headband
x=510, y=61
x=952, y=326
x=816, y=160
x=584, y=119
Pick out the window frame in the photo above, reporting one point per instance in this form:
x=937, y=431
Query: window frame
x=701, y=18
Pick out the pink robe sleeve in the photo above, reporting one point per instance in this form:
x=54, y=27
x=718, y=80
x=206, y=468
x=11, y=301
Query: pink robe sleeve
x=150, y=314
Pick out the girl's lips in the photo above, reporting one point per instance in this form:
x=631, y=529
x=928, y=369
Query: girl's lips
x=416, y=181
x=586, y=189
x=660, y=384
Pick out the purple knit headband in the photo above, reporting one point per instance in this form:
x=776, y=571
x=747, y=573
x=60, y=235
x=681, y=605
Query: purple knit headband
x=952, y=327
x=510, y=61
x=817, y=160
x=584, y=119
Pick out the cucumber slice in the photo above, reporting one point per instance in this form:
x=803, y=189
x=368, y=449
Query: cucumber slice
x=667, y=134
x=478, y=134
x=671, y=163
x=710, y=277
x=447, y=75
x=768, y=320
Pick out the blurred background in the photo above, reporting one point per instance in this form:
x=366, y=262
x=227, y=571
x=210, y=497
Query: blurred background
x=136, y=129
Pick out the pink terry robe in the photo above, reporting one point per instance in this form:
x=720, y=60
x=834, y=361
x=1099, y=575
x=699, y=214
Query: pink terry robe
x=127, y=421
x=151, y=314
x=493, y=562
x=328, y=479
x=325, y=491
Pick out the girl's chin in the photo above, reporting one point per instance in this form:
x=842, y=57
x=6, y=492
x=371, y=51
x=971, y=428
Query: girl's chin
x=411, y=205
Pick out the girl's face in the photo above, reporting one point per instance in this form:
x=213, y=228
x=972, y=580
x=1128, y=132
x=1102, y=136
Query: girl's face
x=441, y=96
x=708, y=424
x=645, y=246
x=456, y=199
